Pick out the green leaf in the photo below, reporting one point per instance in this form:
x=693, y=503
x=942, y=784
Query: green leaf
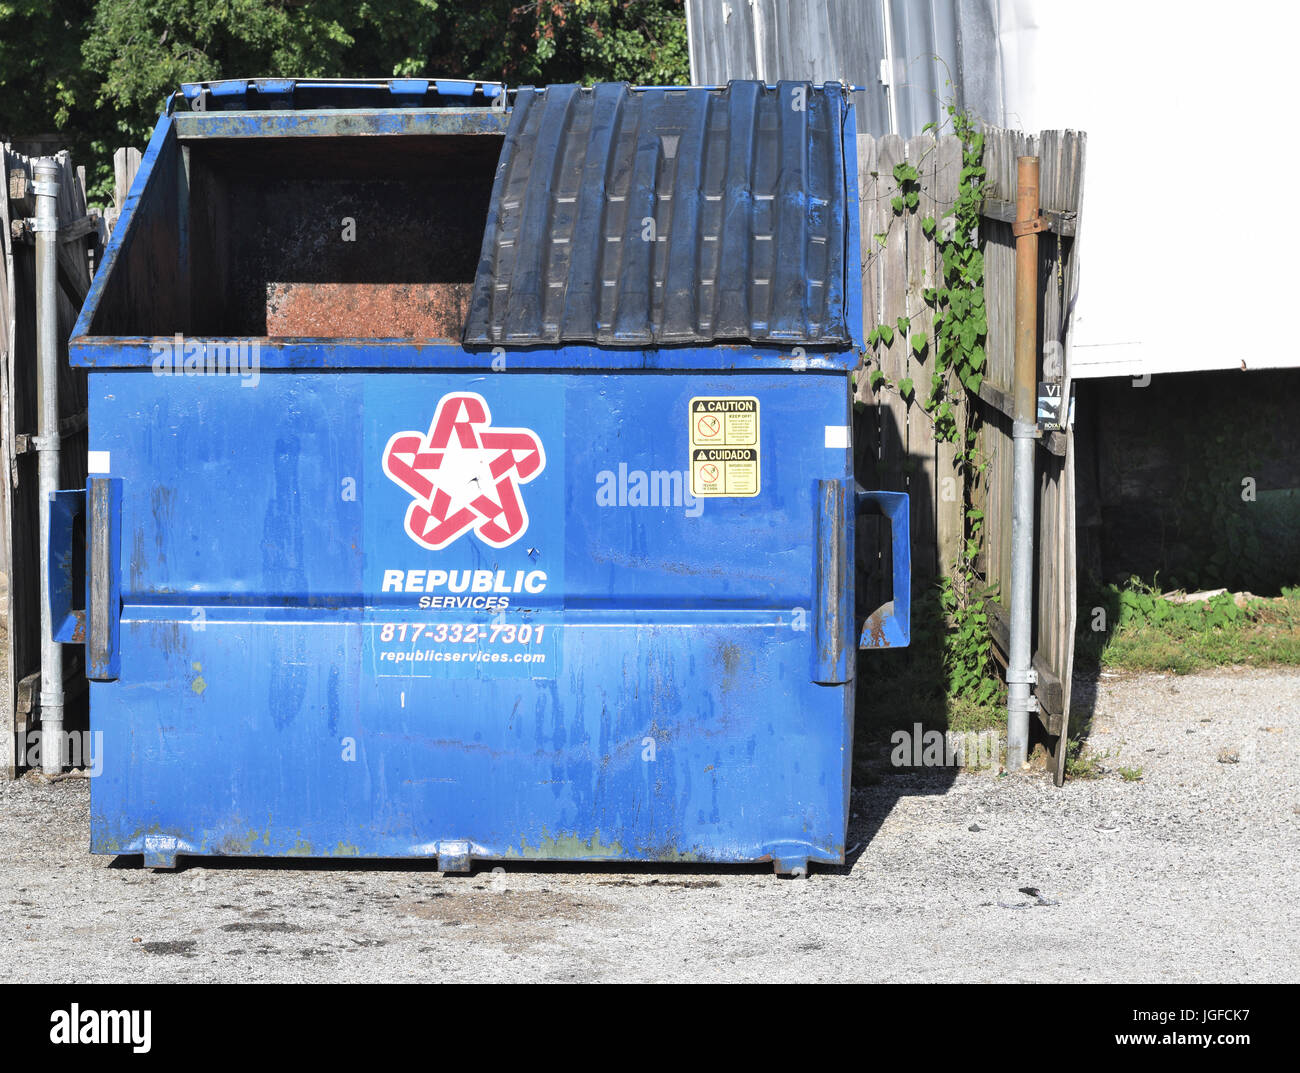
x=927, y=226
x=897, y=203
x=905, y=388
x=887, y=334
x=905, y=173
x=918, y=344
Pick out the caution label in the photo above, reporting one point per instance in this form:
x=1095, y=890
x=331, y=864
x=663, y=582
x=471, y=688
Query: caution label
x=724, y=446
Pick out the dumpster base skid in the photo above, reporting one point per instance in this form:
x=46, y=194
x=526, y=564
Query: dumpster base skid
x=163, y=853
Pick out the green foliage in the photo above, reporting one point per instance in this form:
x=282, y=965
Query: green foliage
x=932, y=681
x=909, y=188
x=98, y=71
x=1081, y=763
x=1141, y=606
x=1133, y=627
x=44, y=85
x=960, y=322
x=963, y=641
x=968, y=648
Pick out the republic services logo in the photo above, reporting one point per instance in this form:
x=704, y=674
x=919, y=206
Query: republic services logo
x=464, y=474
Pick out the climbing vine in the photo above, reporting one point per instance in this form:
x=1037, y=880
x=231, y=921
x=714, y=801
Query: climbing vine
x=960, y=329
x=959, y=361
x=957, y=297
x=960, y=322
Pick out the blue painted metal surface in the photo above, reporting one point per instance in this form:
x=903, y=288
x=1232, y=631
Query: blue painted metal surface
x=393, y=598
x=273, y=94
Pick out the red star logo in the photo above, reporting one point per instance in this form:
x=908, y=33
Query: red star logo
x=464, y=474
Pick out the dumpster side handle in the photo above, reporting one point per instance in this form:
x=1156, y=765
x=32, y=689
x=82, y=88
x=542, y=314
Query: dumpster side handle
x=97, y=625
x=832, y=618
x=103, y=588
x=890, y=625
x=67, y=624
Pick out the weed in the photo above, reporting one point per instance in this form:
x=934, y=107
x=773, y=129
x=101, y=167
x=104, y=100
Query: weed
x=1082, y=763
x=1135, y=628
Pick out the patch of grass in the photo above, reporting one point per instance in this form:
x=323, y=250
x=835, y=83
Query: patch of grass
x=967, y=714
x=1082, y=763
x=1134, y=628
x=1130, y=774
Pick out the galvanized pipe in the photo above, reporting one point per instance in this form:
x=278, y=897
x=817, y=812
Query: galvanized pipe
x=1024, y=428
x=46, y=225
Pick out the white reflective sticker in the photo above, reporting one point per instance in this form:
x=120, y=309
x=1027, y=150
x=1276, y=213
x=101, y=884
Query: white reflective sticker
x=97, y=462
x=837, y=436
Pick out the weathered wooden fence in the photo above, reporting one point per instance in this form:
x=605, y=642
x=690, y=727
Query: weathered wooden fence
x=895, y=438
x=1060, y=188
x=19, y=518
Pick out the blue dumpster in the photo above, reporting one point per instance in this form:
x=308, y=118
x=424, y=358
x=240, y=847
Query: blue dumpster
x=471, y=477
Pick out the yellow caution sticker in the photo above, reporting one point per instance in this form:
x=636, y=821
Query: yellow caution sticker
x=724, y=445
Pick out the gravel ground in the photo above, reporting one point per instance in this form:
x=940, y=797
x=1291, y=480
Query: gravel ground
x=1189, y=874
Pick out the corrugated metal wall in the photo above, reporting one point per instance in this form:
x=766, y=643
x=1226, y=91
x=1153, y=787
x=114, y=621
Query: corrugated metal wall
x=918, y=46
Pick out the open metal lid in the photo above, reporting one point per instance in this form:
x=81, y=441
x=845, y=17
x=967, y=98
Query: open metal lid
x=661, y=216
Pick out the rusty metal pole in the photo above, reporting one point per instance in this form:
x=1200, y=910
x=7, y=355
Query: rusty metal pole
x=1024, y=427
x=1026, y=230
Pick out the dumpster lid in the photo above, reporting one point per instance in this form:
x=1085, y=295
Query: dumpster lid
x=686, y=215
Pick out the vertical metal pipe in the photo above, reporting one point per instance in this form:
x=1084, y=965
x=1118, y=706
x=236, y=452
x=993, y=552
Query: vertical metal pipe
x=890, y=72
x=1024, y=429
x=46, y=188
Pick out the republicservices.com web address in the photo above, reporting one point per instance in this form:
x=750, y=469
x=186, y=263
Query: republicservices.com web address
x=1179, y=1039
